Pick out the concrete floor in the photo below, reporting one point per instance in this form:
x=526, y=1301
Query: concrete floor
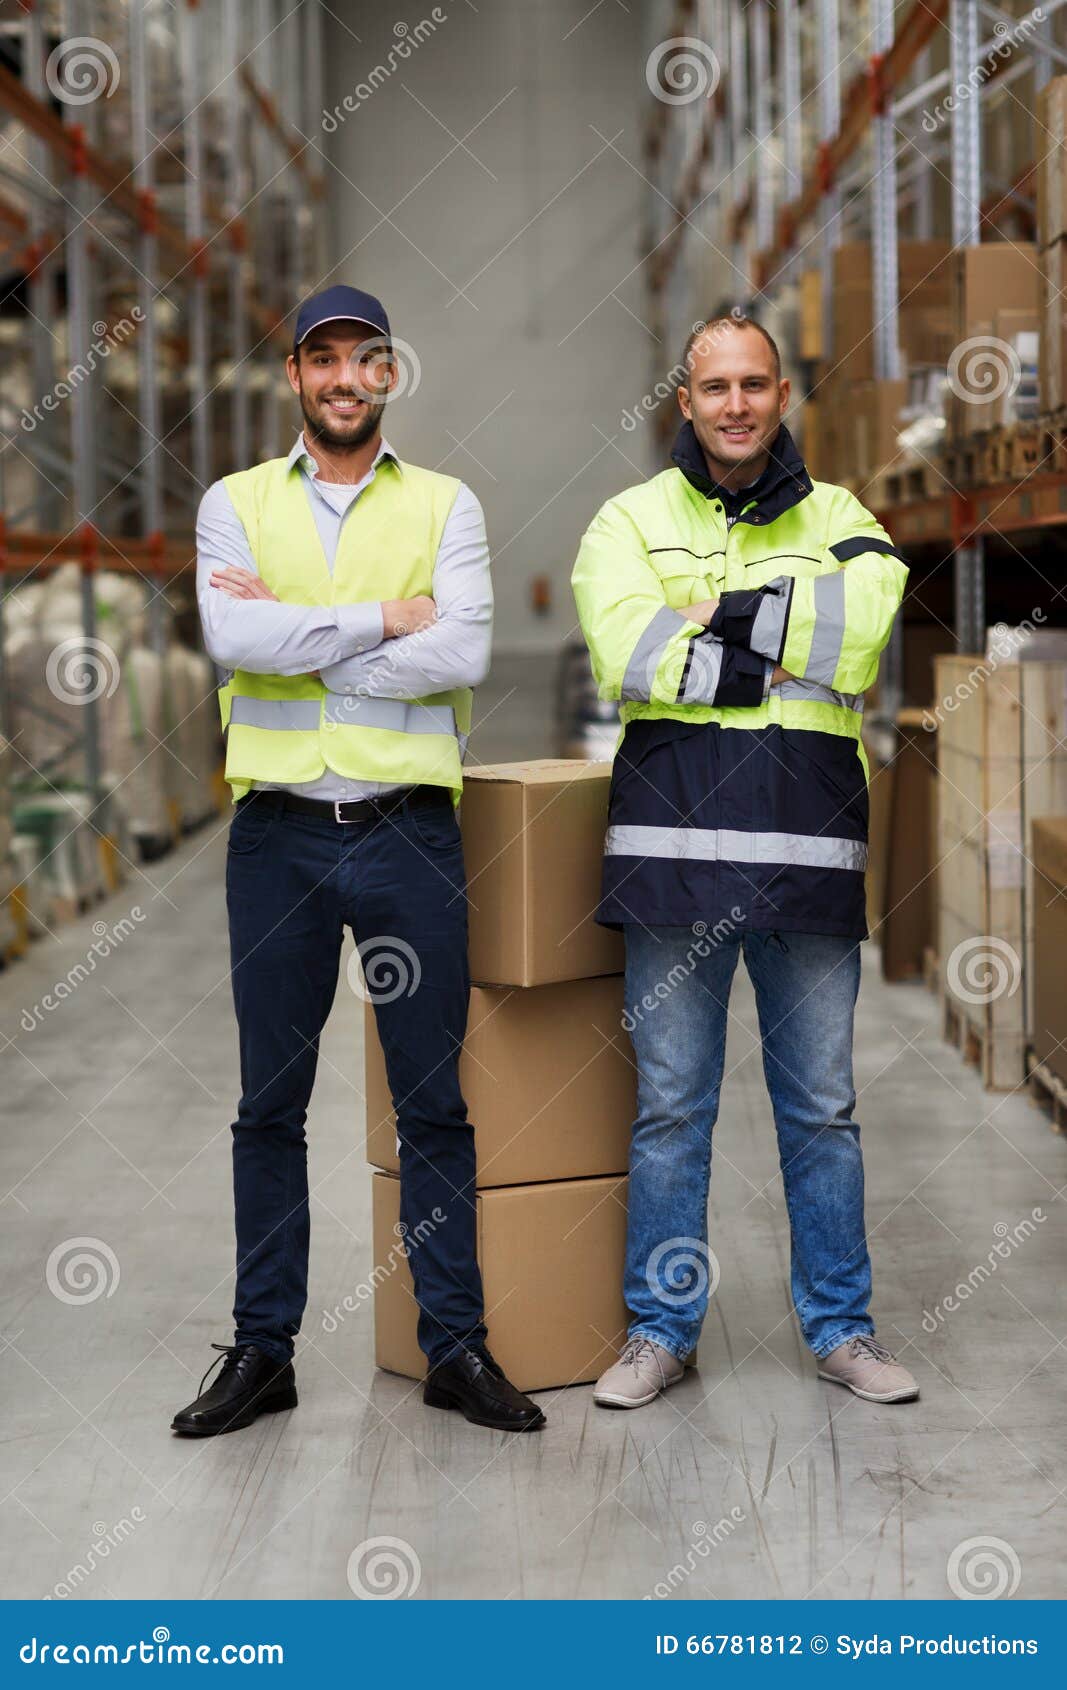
x=117, y=1130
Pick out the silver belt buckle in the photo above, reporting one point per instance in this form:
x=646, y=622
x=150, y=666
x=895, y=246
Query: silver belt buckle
x=337, y=811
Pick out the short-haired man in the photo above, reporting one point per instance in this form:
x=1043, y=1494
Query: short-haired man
x=348, y=596
x=737, y=610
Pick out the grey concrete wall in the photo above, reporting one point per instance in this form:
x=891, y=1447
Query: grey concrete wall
x=471, y=190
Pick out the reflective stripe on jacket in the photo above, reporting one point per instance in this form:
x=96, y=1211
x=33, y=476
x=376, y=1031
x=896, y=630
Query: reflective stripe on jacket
x=731, y=798
x=291, y=728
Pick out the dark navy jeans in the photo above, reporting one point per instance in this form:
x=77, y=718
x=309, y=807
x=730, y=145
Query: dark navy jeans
x=293, y=883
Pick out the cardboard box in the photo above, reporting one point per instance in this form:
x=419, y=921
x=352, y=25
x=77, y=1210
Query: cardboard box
x=909, y=920
x=924, y=317
x=875, y=411
x=1049, y=1029
x=996, y=276
x=552, y=1267
x=1002, y=762
x=879, y=747
x=1053, y=342
x=549, y=1079
x=533, y=842
x=1020, y=330
x=1050, y=140
x=811, y=345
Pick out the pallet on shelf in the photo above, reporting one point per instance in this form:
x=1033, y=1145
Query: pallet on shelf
x=931, y=970
x=1002, y=760
x=1049, y=1093
x=1016, y=452
x=980, y=1045
x=909, y=483
x=962, y=461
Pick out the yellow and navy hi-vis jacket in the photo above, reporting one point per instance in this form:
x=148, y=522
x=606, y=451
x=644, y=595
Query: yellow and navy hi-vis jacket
x=732, y=798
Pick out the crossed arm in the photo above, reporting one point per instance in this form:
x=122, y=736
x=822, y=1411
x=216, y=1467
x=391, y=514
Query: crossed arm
x=393, y=648
x=828, y=629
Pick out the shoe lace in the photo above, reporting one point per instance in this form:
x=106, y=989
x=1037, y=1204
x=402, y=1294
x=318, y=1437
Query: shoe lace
x=869, y=1346
x=231, y=1352
x=632, y=1353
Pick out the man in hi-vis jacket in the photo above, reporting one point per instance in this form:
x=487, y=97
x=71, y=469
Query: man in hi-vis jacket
x=737, y=609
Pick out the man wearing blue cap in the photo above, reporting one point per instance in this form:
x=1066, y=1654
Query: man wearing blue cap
x=347, y=597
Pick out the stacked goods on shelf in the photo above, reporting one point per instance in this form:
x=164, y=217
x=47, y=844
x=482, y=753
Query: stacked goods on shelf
x=548, y=1076
x=1050, y=139
x=31, y=880
x=1048, y=1027
x=858, y=417
x=157, y=716
x=993, y=376
x=62, y=846
x=908, y=923
x=8, y=860
x=193, y=739
x=1001, y=762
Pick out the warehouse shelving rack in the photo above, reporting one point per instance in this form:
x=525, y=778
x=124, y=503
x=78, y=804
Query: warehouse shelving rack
x=181, y=197
x=815, y=126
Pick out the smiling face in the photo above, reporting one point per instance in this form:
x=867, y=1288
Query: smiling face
x=343, y=375
x=735, y=401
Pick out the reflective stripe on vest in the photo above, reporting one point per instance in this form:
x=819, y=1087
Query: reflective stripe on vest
x=723, y=844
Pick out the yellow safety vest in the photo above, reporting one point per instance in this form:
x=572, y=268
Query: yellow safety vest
x=291, y=728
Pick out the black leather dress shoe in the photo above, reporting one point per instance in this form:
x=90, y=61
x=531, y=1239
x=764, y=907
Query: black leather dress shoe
x=251, y=1383
x=475, y=1384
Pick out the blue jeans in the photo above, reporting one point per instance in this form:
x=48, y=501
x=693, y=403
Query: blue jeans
x=293, y=882
x=677, y=991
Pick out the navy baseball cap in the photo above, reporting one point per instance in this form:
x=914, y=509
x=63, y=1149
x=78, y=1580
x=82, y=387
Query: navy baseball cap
x=337, y=303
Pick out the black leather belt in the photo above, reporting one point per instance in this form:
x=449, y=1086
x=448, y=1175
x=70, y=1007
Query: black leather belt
x=346, y=810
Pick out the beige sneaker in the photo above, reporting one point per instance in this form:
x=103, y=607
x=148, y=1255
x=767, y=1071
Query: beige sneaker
x=868, y=1369
x=642, y=1371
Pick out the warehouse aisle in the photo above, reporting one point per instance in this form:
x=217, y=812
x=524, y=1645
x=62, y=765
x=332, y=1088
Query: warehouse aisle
x=750, y=1478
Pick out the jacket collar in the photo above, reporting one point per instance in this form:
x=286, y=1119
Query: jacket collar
x=783, y=483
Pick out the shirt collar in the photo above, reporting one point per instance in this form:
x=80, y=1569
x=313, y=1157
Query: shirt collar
x=299, y=454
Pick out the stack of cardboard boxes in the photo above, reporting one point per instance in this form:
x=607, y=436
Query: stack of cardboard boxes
x=547, y=1072
x=996, y=290
x=1051, y=137
x=856, y=418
